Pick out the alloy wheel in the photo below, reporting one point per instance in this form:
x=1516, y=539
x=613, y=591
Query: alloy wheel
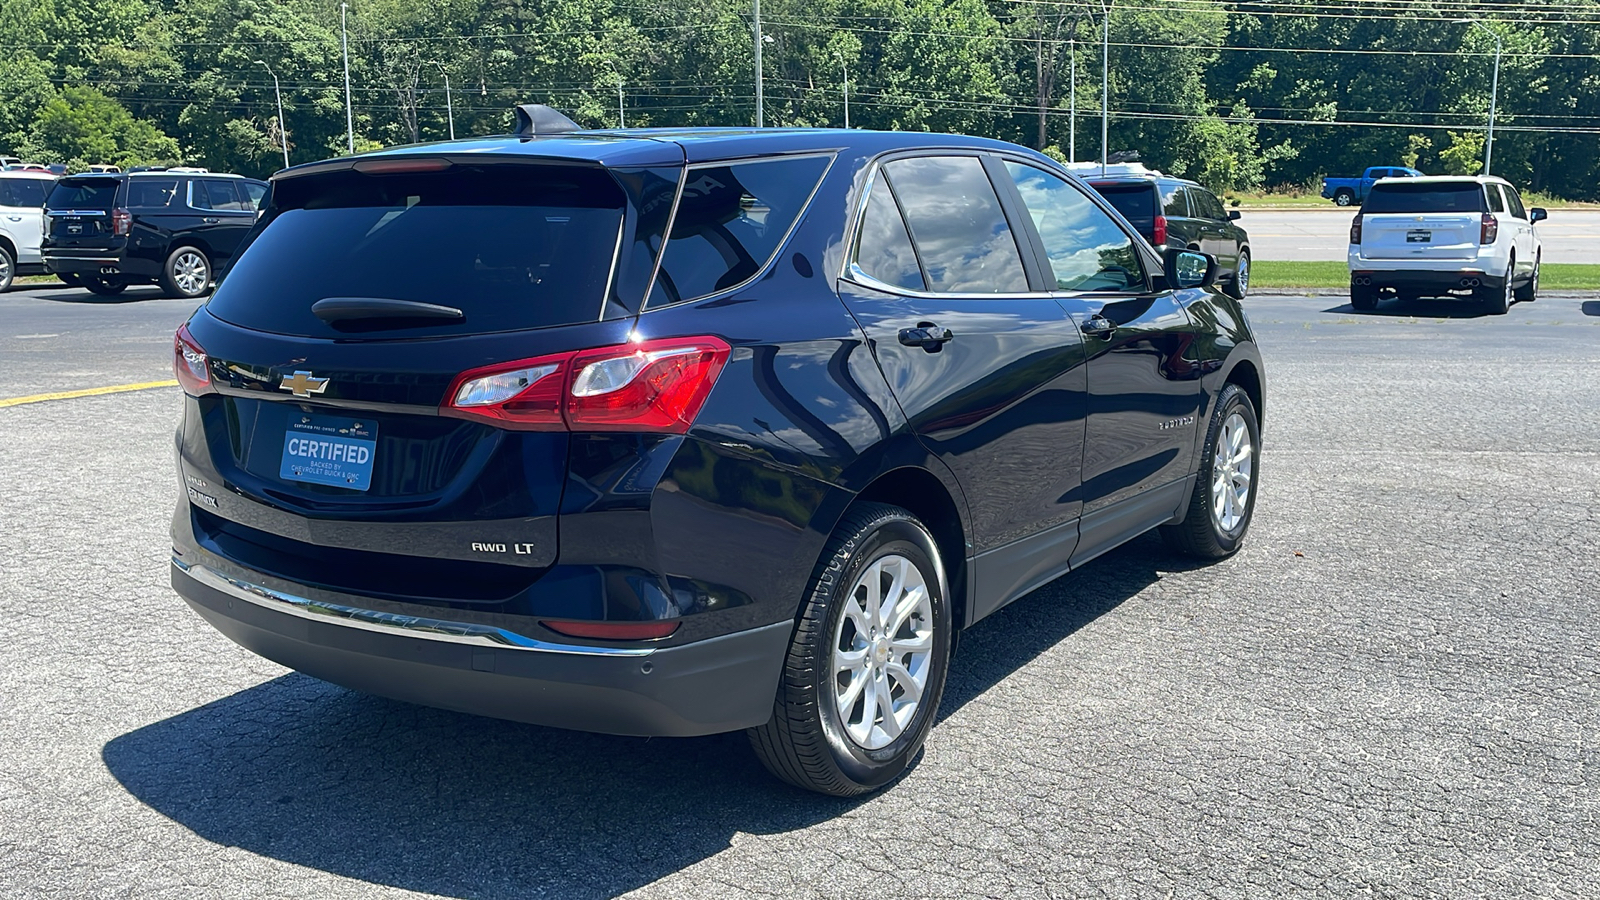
x=1241, y=278
x=190, y=272
x=882, y=651
x=1231, y=471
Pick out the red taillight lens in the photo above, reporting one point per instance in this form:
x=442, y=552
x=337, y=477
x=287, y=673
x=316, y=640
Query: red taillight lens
x=650, y=386
x=121, y=221
x=1355, y=231
x=1161, y=232
x=1489, y=230
x=190, y=364
x=654, y=386
x=615, y=631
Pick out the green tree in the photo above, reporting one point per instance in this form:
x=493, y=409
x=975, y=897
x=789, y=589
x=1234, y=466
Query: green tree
x=82, y=123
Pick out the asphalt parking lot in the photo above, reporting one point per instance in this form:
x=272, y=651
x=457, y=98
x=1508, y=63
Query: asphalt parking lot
x=1393, y=691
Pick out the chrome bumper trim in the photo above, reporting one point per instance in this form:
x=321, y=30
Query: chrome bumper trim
x=391, y=623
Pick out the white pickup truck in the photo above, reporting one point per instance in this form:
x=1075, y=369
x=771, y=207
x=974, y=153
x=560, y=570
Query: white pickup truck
x=1445, y=236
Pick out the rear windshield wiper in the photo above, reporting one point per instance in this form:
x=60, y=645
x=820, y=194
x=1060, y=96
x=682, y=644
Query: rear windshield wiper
x=342, y=309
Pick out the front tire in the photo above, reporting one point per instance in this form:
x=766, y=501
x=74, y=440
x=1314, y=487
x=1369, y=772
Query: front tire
x=1241, y=276
x=1224, y=498
x=1344, y=197
x=186, y=274
x=866, y=668
x=69, y=279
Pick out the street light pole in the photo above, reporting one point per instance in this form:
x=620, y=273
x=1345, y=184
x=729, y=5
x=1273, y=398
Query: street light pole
x=622, y=118
x=846, y=70
x=1105, y=88
x=283, y=133
x=759, y=98
x=1072, y=102
x=1494, y=89
x=449, y=110
x=349, y=115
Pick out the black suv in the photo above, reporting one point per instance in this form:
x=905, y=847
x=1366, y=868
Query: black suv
x=173, y=228
x=1173, y=213
x=666, y=432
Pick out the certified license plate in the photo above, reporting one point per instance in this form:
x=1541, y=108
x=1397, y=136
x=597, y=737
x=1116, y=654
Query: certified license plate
x=329, y=450
x=1418, y=236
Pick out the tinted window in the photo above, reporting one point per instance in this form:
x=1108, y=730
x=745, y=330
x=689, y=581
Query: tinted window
x=1137, y=203
x=729, y=223
x=1206, y=204
x=1173, y=202
x=512, y=247
x=23, y=192
x=1496, y=203
x=960, y=232
x=219, y=195
x=152, y=193
x=254, y=191
x=884, y=249
x=86, y=193
x=1424, y=197
x=1514, y=202
x=1088, y=251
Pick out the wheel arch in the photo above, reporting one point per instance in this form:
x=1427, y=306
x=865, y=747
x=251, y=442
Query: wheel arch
x=925, y=496
x=1247, y=376
x=9, y=245
x=197, y=243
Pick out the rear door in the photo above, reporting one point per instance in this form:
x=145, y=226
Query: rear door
x=1216, y=237
x=226, y=213
x=1521, y=229
x=1423, y=220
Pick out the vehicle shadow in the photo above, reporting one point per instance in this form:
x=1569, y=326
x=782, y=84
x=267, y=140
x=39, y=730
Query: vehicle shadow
x=1419, y=309
x=60, y=293
x=1591, y=307
x=457, y=805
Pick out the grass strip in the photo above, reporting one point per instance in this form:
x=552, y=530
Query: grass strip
x=1266, y=274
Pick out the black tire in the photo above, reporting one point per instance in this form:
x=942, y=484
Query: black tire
x=806, y=742
x=1241, y=286
x=1497, y=299
x=1200, y=535
x=1344, y=197
x=1530, y=291
x=1363, y=298
x=186, y=274
x=8, y=268
x=104, y=288
x=70, y=279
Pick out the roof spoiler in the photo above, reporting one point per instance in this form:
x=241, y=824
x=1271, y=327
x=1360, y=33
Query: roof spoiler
x=535, y=119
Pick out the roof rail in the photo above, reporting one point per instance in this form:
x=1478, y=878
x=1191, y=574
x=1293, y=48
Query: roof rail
x=534, y=119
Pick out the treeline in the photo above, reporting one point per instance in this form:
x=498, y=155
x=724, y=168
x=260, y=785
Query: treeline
x=1237, y=94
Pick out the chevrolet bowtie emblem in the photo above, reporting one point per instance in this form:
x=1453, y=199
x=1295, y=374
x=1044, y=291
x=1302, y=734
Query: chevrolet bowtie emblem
x=303, y=384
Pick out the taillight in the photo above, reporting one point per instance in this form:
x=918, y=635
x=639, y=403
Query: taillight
x=121, y=221
x=654, y=386
x=1161, y=232
x=1489, y=230
x=615, y=631
x=1355, y=231
x=190, y=364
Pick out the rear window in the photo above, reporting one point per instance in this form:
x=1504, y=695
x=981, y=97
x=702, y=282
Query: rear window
x=84, y=193
x=1412, y=197
x=1135, y=201
x=511, y=246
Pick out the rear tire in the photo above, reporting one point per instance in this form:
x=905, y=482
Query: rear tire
x=186, y=273
x=103, y=287
x=1344, y=197
x=1530, y=291
x=69, y=279
x=1363, y=298
x=8, y=269
x=848, y=738
x=1497, y=300
x=1219, y=517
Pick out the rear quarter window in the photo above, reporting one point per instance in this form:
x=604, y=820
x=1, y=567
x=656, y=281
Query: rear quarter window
x=152, y=193
x=1434, y=197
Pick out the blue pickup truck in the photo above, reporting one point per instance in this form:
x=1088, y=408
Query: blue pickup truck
x=1351, y=191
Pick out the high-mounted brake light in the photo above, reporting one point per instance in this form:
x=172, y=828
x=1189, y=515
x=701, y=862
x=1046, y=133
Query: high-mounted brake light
x=1355, y=230
x=189, y=363
x=400, y=166
x=1489, y=230
x=615, y=631
x=121, y=222
x=654, y=386
x=1161, y=232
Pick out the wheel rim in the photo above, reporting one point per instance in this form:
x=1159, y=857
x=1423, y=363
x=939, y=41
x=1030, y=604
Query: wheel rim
x=5, y=269
x=1231, y=471
x=189, y=272
x=1243, y=277
x=1342, y=199
x=1511, y=292
x=882, y=651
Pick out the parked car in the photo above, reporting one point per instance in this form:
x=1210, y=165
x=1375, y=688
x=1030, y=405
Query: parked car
x=1177, y=214
x=1445, y=235
x=691, y=431
x=22, y=196
x=167, y=228
x=1353, y=191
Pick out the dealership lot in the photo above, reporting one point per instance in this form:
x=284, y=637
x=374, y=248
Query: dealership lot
x=1391, y=690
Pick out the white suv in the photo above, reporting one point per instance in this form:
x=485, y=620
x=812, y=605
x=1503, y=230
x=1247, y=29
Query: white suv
x=22, y=196
x=1445, y=236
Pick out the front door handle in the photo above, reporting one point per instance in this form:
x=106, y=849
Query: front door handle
x=926, y=335
x=15, y=218
x=1099, y=326
x=211, y=220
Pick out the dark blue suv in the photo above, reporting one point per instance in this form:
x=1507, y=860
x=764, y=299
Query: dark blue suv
x=676, y=432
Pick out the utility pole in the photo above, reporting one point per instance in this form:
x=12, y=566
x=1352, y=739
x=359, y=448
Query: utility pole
x=843, y=67
x=1494, y=89
x=759, y=98
x=283, y=133
x=622, y=118
x=349, y=115
x=1072, y=102
x=1105, y=88
x=449, y=109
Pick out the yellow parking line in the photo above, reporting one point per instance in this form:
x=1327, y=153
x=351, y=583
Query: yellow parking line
x=87, y=392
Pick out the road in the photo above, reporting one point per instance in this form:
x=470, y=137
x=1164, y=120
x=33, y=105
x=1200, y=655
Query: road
x=1391, y=691
x=1569, y=235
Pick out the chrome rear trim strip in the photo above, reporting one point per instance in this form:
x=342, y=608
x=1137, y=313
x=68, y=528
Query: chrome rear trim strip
x=391, y=623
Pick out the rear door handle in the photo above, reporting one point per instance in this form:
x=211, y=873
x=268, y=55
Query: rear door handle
x=1099, y=326
x=926, y=335
x=211, y=220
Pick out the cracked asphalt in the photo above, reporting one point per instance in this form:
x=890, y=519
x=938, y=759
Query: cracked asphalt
x=1390, y=692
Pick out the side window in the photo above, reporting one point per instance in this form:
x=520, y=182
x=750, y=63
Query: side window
x=883, y=250
x=1514, y=202
x=1087, y=250
x=254, y=191
x=1173, y=204
x=729, y=223
x=1209, y=203
x=152, y=193
x=6, y=196
x=1497, y=204
x=197, y=194
x=224, y=196
x=956, y=223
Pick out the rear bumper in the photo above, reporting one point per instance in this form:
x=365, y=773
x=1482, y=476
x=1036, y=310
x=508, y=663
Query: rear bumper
x=720, y=684
x=1444, y=275
x=89, y=262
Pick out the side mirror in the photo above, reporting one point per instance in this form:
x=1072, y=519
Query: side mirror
x=1538, y=214
x=1190, y=269
x=1233, y=215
